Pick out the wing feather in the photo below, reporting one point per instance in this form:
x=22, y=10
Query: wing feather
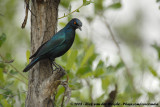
x=37, y=51
x=55, y=41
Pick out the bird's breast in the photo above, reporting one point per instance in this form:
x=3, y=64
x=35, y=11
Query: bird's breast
x=65, y=46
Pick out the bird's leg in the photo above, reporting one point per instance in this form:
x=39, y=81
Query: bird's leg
x=57, y=66
x=52, y=66
x=52, y=63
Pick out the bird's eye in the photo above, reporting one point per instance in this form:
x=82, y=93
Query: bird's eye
x=75, y=23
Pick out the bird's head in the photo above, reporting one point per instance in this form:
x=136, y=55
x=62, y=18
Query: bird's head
x=76, y=23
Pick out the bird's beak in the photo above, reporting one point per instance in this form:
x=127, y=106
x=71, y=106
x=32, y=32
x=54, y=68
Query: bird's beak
x=80, y=28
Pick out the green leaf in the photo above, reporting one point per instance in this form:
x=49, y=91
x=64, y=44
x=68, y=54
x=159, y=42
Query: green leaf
x=62, y=24
x=157, y=0
x=2, y=90
x=69, y=17
x=100, y=64
x=85, y=2
x=5, y=103
x=157, y=49
x=84, y=95
x=105, y=82
x=27, y=56
x=1, y=75
x=2, y=39
x=101, y=98
x=77, y=42
x=8, y=56
x=98, y=72
x=88, y=54
x=59, y=93
x=13, y=72
x=2, y=65
x=71, y=59
x=83, y=70
x=111, y=69
x=75, y=85
x=115, y=6
x=154, y=73
x=65, y=3
x=119, y=65
x=77, y=10
x=98, y=4
x=75, y=93
x=88, y=74
x=92, y=58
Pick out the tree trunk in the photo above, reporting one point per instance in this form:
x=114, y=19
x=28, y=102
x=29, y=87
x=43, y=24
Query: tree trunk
x=42, y=83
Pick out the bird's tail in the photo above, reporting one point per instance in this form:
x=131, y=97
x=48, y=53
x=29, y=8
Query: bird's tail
x=31, y=64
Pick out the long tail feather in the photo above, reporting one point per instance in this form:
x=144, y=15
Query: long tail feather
x=31, y=64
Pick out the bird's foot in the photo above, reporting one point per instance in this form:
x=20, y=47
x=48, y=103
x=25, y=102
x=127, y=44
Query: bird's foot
x=54, y=69
x=58, y=69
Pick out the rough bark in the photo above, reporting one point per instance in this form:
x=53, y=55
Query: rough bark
x=42, y=83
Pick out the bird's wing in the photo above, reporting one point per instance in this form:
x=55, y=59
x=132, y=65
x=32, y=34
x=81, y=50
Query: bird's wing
x=55, y=41
x=37, y=50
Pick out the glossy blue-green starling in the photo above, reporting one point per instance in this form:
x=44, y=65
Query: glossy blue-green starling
x=58, y=45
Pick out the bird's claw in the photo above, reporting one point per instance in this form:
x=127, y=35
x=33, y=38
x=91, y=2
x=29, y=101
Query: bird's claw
x=58, y=69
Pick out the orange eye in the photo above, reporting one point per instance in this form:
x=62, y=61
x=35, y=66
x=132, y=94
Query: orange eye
x=74, y=22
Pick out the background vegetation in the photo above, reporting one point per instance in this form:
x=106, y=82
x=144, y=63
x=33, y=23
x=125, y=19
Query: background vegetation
x=104, y=55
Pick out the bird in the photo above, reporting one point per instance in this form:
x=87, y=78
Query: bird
x=57, y=46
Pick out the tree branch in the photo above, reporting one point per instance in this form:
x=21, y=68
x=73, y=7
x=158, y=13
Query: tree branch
x=112, y=96
x=17, y=78
x=11, y=95
x=26, y=16
x=67, y=93
x=13, y=67
x=119, y=50
x=71, y=12
x=50, y=84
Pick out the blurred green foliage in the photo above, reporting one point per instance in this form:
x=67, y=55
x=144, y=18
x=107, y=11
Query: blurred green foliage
x=2, y=39
x=12, y=84
x=83, y=64
x=157, y=49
